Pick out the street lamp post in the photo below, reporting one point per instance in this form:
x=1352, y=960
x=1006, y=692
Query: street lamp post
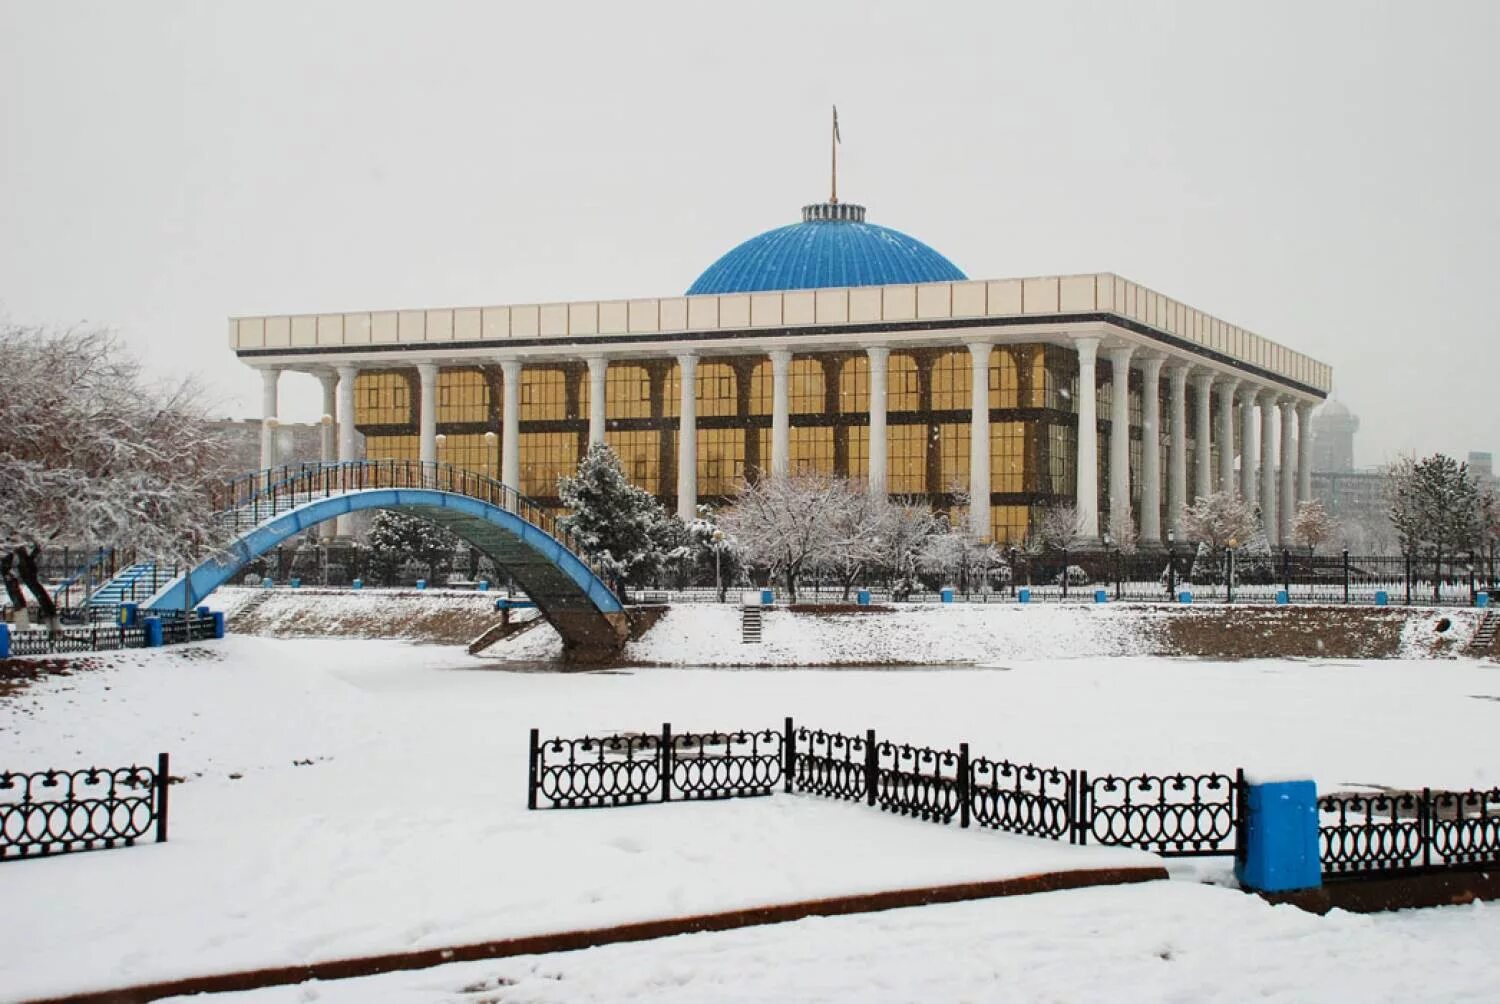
x=718, y=542
x=1171, y=563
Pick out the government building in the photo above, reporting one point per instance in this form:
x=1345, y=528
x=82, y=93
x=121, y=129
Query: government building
x=838, y=346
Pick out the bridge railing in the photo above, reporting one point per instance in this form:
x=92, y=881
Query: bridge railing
x=263, y=494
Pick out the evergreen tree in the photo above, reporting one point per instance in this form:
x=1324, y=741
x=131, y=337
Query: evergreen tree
x=1435, y=508
x=396, y=538
x=619, y=526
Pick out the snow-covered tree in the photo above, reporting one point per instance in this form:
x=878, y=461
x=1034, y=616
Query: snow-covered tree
x=1220, y=520
x=395, y=538
x=1311, y=525
x=1435, y=508
x=956, y=556
x=716, y=555
x=860, y=522
x=793, y=524
x=95, y=455
x=1059, y=526
x=907, y=529
x=621, y=527
x=1122, y=531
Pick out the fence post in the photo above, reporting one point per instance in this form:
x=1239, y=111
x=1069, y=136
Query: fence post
x=788, y=754
x=963, y=784
x=872, y=767
x=1346, y=575
x=1425, y=827
x=1408, y=579
x=1281, y=837
x=531, y=771
x=1228, y=575
x=1065, y=573
x=666, y=762
x=1286, y=573
x=1078, y=806
x=163, y=782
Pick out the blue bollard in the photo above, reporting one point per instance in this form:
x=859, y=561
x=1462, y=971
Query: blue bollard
x=1101, y=596
x=220, y=630
x=421, y=583
x=1382, y=598
x=205, y=611
x=484, y=585
x=129, y=614
x=946, y=594
x=4, y=641
x=1281, y=837
x=1023, y=595
x=1282, y=599
x=295, y=583
x=862, y=598
x=767, y=597
x=153, y=632
x=267, y=582
x=357, y=584
x=1481, y=599
x=1184, y=597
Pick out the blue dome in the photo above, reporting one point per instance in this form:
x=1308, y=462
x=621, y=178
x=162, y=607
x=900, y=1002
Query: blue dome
x=832, y=246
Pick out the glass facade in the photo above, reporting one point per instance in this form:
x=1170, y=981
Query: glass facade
x=1033, y=424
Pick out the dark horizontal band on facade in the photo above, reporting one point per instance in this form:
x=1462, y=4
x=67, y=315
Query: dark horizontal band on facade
x=885, y=327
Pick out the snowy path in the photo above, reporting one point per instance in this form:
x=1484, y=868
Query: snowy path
x=1158, y=942
x=408, y=829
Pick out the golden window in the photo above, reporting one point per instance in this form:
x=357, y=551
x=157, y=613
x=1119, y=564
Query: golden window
x=1008, y=456
x=854, y=385
x=1009, y=524
x=807, y=394
x=545, y=457
x=627, y=391
x=762, y=388
x=953, y=456
x=402, y=447
x=671, y=394
x=902, y=392
x=471, y=451
x=382, y=398
x=463, y=396
x=721, y=461
x=811, y=449
x=952, y=377
x=639, y=451
x=544, y=396
x=859, y=452
x=906, y=459
x=716, y=391
x=1004, y=380
x=763, y=445
x=1062, y=451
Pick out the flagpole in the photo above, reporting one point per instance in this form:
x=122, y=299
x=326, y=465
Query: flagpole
x=833, y=146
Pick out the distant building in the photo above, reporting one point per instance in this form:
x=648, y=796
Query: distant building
x=1482, y=468
x=295, y=442
x=1333, y=429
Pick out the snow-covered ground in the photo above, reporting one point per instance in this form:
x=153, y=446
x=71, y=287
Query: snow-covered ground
x=1159, y=942
x=407, y=828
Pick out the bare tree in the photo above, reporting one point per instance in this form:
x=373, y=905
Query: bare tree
x=95, y=455
x=1122, y=530
x=795, y=523
x=1220, y=520
x=1059, y=526
x=1311, y=525
x=858, y=526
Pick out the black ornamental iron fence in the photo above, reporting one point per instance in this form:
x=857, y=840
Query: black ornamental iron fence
x=177, y=627
x=62, y=811
x=1175, y=815
x=1363, y=835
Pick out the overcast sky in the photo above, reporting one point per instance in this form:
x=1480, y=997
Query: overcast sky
x=1324, y=174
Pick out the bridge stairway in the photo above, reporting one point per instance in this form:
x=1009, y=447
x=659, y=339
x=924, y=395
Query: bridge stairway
x=133, y=584
x=505, y=628
x=750, y=624
x=1484, y=635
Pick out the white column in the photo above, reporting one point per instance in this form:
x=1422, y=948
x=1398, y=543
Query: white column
x=510, y=424
x=427, y=374
x=598, y=370
x=1151, y=449
x=1267, y=467
x=1203, y=383
x=1247, y=446
x=1086, y=469
x=687, y=438
x=344, y=527
x=879, y=371
x=1304, y=451
x=781, y=423
x=1288, y=469
x=1177, y=453
x=979, y=440
x=269, y=379
x=327, y=432
x=1226, y=390
x=1119, y=434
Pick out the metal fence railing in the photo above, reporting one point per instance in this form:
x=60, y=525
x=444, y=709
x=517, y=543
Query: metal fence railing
x=1409, y=832
x=61, y=811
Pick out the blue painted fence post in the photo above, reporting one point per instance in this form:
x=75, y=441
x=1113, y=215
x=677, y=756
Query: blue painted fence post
x=1023, y=595
x=862, y=598
x=219, y=627
x=129, y=614
x=1281, y=837
x=357, y=584
x=153, y=632
x=4, y=641
x=946, y=594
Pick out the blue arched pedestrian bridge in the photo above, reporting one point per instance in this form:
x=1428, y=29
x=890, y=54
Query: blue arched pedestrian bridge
x=259, y=511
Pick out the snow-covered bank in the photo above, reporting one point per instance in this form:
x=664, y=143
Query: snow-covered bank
x=442, y=616
x=987, y=634
x=1165, y=941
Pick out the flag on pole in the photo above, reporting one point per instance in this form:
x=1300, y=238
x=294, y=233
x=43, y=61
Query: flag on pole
x=836, y=137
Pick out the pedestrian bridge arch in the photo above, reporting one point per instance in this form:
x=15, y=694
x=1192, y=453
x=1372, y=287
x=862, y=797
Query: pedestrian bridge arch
x=260, y=511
